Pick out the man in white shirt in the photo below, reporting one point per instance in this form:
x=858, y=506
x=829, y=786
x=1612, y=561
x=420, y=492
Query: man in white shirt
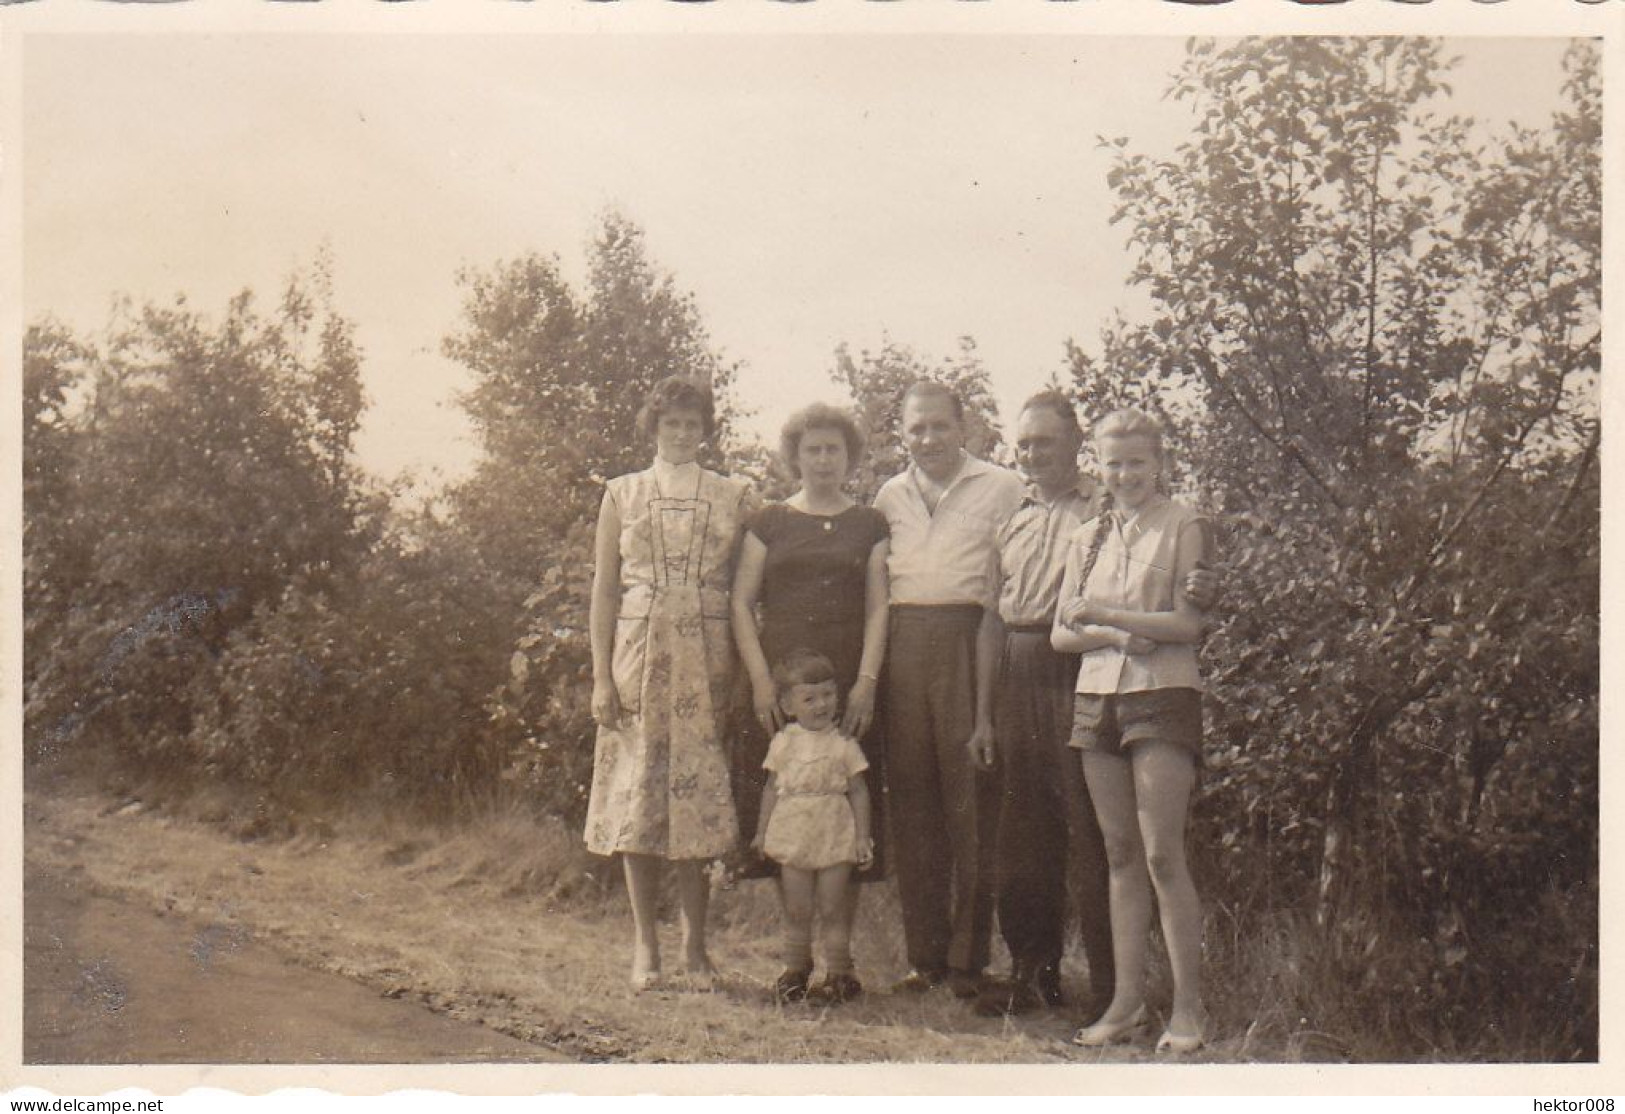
x=944, y=510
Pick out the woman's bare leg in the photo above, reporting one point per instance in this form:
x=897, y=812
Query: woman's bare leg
x=643, y=888
x=694, y=898
x=1111, y=788
x=1164, y=776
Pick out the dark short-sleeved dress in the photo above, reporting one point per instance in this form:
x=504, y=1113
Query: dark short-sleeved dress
x=814, y=589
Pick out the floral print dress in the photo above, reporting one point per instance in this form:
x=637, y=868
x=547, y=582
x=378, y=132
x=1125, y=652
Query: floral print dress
x=660, y=781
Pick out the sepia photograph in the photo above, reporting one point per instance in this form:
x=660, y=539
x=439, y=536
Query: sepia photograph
x=1061, y=550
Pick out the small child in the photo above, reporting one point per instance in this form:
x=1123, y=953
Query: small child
x=814, y=823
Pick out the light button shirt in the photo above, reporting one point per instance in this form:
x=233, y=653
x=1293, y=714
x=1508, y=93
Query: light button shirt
x=1032, y=552
x=949, y=556
x=1136, y=571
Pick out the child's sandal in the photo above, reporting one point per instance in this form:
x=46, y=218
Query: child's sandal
x=791, y=986
x=836, y=989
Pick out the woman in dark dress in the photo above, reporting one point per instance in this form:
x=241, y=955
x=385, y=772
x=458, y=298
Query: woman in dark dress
x=816, y=564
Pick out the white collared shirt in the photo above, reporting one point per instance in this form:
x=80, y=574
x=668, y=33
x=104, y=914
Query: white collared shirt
x=950, y=555
x=1136, y=570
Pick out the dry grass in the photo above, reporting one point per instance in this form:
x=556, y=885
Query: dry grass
x=484, y=923
x=505, y=920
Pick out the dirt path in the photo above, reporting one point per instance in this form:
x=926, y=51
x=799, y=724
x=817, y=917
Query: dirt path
x=110, y=982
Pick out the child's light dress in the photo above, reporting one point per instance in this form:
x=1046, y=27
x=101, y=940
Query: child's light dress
x=812, y=825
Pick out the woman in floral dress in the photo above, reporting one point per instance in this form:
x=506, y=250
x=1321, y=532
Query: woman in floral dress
x=663, y=662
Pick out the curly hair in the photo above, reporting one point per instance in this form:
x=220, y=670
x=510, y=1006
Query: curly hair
x=677, y=392
x=819, y=416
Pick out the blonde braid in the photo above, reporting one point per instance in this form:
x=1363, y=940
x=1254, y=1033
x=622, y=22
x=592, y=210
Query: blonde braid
x=1102, y=524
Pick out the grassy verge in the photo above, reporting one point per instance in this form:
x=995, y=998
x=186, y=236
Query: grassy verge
x=504, y=919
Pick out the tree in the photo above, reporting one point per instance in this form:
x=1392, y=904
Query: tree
x=1385, y=333
x=560, y=375
x=56, y=547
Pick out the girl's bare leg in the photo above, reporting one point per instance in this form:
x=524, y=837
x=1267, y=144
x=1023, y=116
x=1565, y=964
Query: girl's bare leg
x=798, y=888
x=694, y=898
x=1111, y=787
x=643, y=888
x=834, y=887
x=849, y=906
x=1164, y=776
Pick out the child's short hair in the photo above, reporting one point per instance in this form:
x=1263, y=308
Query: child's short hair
x=802, y=667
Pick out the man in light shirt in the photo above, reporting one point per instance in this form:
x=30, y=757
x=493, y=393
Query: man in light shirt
x=944, y=510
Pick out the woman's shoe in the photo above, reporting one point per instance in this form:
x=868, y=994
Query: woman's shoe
x=1103, y=1033
x=1180, y=1043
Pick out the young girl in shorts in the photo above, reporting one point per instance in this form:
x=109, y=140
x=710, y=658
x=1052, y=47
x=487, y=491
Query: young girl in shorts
x=814, y=823
x=1138, y=716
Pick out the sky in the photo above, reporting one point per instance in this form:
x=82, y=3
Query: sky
x=807, y=190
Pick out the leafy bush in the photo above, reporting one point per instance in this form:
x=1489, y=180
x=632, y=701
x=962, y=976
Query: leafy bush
x=182, y=474
x=375, y=688
x=1378, y=344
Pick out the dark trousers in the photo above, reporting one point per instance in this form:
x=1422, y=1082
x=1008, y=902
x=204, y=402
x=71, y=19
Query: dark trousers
x=943, y=809
x=1046, y=821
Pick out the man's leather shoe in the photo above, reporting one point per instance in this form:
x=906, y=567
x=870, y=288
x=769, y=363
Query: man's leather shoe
x=964, y=984
x=999, y=999
x=918, y=982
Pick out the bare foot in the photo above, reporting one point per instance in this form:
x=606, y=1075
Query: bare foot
x=645, y=967
x=699, y=972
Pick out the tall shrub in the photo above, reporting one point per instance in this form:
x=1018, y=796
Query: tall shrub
x=560, y=374
x=182, y=473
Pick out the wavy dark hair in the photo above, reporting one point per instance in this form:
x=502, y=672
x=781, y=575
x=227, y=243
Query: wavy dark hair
x=819, y=416
x=677, y=392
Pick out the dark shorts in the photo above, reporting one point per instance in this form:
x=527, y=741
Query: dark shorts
x=1110, y=724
